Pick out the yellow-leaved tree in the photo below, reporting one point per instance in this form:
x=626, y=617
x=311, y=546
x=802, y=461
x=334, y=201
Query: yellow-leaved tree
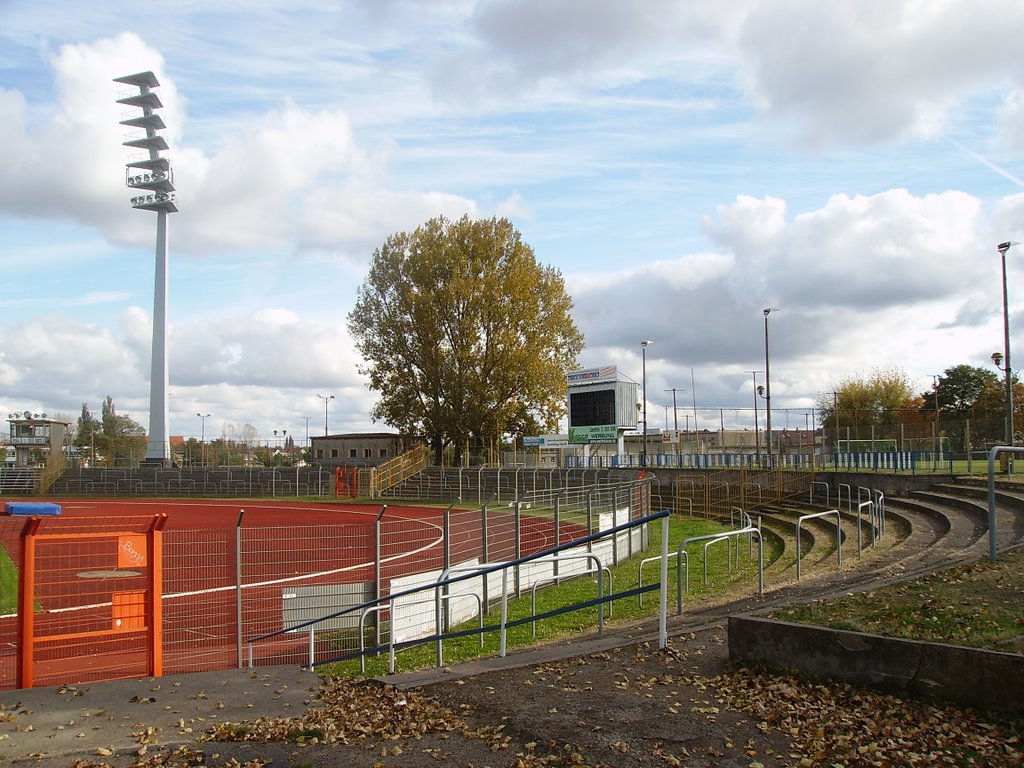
x=465, y=336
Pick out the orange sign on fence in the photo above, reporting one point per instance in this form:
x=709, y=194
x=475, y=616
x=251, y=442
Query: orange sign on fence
x=131, y=551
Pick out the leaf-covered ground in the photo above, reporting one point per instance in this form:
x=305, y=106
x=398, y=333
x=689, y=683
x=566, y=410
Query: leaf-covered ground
x=632, y=706
x=639, y=706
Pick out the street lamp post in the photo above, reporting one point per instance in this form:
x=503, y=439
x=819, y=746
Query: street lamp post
x=643, y=355
x=997, y=359
x=326, y=399
x=675, y=412
x=202, y=435
x=282, y=446
x=1007, y=368
x=757, y=427
x=767, y=388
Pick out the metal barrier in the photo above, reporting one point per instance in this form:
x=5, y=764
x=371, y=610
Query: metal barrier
x=992, y=533
x=827, y=491
x=751, y=531
x=839, y=536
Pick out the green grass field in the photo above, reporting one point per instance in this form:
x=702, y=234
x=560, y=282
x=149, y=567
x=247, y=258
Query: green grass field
x=8, y=583
x=625, y=575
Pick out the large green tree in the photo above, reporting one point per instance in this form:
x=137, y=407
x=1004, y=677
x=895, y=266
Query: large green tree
x=464, y=334
x=972, y=404
x=959, y=389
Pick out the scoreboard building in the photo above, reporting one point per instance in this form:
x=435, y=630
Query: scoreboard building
x=602, y=407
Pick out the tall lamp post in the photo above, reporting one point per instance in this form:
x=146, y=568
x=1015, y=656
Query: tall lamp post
x=1006, y=367
x=150, y=176
x=326, y=399
x=767, y=387
x=643, y=355
x=202, y=435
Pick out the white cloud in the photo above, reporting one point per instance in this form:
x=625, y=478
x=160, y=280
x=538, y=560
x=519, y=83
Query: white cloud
x=861, y=251
x=1011, y=119
x=859, y=72
x=253, y=191
x=863, y=279
x=576, y=118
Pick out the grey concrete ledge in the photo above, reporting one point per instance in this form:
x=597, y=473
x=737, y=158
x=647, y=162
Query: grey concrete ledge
x=984, y=680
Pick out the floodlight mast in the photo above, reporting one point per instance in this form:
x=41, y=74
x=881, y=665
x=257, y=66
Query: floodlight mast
x=152, y=174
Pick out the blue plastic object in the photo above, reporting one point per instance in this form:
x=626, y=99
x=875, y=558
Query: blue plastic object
x=31, y=508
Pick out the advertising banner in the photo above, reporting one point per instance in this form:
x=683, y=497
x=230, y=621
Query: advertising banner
x=601, y=433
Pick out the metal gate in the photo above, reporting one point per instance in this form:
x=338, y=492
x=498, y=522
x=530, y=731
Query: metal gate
x=89, y=604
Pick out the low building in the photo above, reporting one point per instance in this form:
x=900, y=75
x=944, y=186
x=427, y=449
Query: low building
x=35, y=438
x=356, y=449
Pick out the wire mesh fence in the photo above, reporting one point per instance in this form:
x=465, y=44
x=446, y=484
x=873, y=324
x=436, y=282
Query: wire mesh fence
x=220, y=585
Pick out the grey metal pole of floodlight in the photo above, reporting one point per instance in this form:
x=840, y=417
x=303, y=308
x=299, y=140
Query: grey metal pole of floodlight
x=151, y=175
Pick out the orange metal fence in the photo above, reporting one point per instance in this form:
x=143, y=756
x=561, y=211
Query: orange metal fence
x=130, y=595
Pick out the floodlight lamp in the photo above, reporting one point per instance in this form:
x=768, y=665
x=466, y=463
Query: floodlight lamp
x=997, y=358
x=28, y=414
x=1004, y=247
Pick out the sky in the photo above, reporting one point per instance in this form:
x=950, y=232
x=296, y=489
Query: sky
x=684, y=165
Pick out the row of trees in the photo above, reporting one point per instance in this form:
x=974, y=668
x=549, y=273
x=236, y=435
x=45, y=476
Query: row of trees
x=230, y=451
x=965, y=408
x=468, y=339
x=113, y=439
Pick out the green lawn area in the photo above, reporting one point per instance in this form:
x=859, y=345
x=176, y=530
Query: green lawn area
x=977, y=605
x=8, y=583
x=581, y=589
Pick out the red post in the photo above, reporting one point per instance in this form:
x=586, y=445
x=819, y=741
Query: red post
x=26, y=603
x=156, y=598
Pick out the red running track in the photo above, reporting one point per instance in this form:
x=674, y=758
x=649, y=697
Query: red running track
x=286, y=545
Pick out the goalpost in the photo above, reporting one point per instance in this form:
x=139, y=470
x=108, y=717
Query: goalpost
x=878, y=445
